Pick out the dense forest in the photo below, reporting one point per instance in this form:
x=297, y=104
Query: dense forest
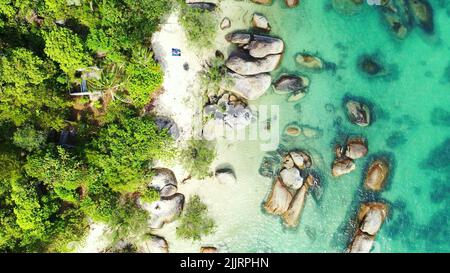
x=68, y=159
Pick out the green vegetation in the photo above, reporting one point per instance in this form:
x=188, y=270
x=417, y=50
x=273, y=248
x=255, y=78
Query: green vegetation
x=197, y=158
x=50, y=185
x=213, y=75
x=200, y=25
x=194, y=222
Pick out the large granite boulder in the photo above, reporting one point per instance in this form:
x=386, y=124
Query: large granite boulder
x=153, y=244
x=301, y=159
x=290, y=83
x=166, y=210
x=358, y=113
x=225, y=176
x=292, y=178
x=239, y=38
x=376, y=175
x=245, y=65
x=342, y=166
x=372, y=221
x=164, y=181
x=356, y=148
x=279, y=199
x=292, y=215
x=262, y=46
x=260, y=21
x=362, y=243
x=248, y=87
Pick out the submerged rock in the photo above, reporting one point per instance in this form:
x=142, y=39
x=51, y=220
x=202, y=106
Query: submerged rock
x=248, y=87
x=370, y=66
x=291, y=83
x=293, y=130
x=376, y=175
x=395, y=23
x=358, y=113
x=292, y=178
x=309, y=61
x=279, y=199
x=166, y=210
x=263, y=46
x=347, y=7
x=356, y=148
x=247, y=66
x=342, y=166
x=260, y=21
x=291, y=3
x=423, y=14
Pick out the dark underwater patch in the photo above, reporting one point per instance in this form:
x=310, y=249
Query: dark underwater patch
x=439, y=157
x=396, y=139
x=440, y=117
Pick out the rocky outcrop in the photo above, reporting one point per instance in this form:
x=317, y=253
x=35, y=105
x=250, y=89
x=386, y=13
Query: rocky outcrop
x=370, y=219
x=263, y=46
x=358, y=113
x=166, y=210
x=376, y=175
x=279, y=199
x=243, y=65
x=260, y=21
x=248, y=87
x=293, y=184
x=354, y=148
x=239, y=38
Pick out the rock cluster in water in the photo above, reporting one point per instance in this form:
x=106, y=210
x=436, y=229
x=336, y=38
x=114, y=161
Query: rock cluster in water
x=354, y=148
x=291, y=187
x=370, y=218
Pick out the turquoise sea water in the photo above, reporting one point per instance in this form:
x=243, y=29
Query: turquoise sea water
x=411, y=126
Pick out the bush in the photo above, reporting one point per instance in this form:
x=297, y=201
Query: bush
x=200, y=25
x=197, y=158
x=195, y=223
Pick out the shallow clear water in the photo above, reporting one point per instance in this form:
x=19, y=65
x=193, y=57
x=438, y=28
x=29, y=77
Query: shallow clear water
x=411, y=109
